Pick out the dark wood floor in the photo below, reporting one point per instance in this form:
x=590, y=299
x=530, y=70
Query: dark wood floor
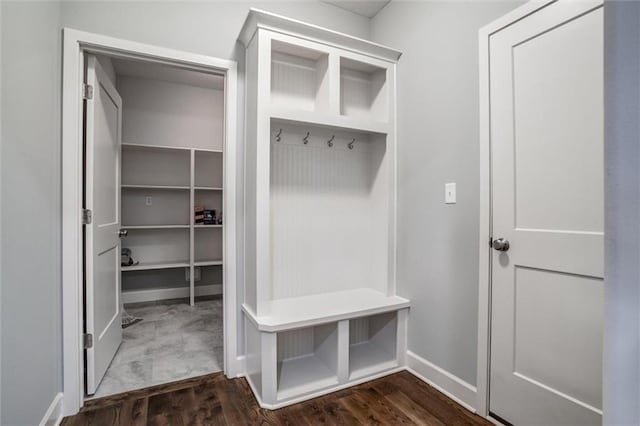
x=215, y=400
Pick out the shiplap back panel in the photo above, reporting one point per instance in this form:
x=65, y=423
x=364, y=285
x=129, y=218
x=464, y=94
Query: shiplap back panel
x=293, y=81
x=358, y=330
x=295, y=343
x=171, y=114
x=324, y=225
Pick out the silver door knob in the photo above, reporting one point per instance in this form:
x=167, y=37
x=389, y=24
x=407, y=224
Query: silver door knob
x=123, y=233
x=501, y=244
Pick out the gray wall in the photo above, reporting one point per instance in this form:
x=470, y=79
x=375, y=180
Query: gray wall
x=438, y=143
x=621, y=381
x=31, y=151
x=30, y=192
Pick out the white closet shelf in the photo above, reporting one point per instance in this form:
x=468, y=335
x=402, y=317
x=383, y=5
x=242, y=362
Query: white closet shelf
x=207, y=188
x=303, y=375
x=328, y=120
x=179, y=187
x=305, y=311
x=207, y=226
x=128, y=145
x=207, y=262
x=156, y=265
x=155, y=226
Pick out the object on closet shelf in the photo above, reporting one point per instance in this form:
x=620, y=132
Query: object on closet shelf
x=219, y=218
x=126, y=259
x=209, y=217
x=128, y=320
x=198, y=212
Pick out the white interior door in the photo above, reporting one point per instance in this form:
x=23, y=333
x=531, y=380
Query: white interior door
x=546, y=97
x=102, y=192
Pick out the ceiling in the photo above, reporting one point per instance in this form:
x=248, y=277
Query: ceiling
x=366, y=8
x=157, y=71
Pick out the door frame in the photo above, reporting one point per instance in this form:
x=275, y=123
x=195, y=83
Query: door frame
x=486, y=231
x=75, y=45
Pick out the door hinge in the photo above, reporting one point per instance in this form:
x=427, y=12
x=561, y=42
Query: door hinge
x=86, y=216
x=87, y=341
x=490, y=242
x=87, y=91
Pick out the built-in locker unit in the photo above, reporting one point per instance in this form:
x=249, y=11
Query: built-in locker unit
x=172, y=165
x=320, y=303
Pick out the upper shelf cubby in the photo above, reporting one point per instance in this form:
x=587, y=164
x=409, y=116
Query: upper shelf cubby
x=299, y=77
x=363, y=90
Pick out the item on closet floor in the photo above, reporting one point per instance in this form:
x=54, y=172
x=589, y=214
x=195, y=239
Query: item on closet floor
x=219, y=219
x=209, y=217
x=198, y=212
x=128, y=320
x=126, y=259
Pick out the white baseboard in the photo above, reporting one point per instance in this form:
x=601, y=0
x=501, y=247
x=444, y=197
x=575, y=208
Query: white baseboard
x=238, y=368
x=452, y=386
x=138, y=296
x=53, y=415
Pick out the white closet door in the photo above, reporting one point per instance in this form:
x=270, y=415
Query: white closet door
x=547, y=193
x=103, y=311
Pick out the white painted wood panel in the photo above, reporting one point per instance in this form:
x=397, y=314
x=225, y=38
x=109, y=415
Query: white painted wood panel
x=208, y=169
x=150, y=166
x=299, y=77
x=207, y=244
x=167, y=206
x=546, y=92
x=158, y=245
x=102, y=198
x=171, y=114
x=363, y=90
x=325, y=226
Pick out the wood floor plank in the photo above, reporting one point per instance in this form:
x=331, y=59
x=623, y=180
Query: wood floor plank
x=413, y=411
x=133, y=412
x=397, y=399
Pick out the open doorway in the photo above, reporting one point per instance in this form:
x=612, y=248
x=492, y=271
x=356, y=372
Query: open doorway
x=153, y=197
x=149, y=167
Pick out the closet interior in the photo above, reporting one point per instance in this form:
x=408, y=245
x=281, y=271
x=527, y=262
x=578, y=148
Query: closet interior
x=320, y=304
x=172, y=215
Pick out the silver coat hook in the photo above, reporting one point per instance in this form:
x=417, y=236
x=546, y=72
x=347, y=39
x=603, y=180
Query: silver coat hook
x=351, y=143
x=306, y=139
x=330, y=141
x=278, y=138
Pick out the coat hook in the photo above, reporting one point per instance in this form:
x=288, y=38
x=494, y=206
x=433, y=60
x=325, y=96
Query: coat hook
x=306, y=139
x=330, y=141
x=351, y=143
x=278, y=138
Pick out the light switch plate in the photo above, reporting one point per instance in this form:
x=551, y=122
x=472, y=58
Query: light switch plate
x=450, y=193
x=148, y=201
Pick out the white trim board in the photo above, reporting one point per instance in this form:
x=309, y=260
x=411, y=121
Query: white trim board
x=75, y=45
x=53, y=415
x=452, y=386
x=137, y=296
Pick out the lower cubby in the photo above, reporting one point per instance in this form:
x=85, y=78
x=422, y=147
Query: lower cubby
x=307, y=360
x=286, y=366
x=372, y=344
